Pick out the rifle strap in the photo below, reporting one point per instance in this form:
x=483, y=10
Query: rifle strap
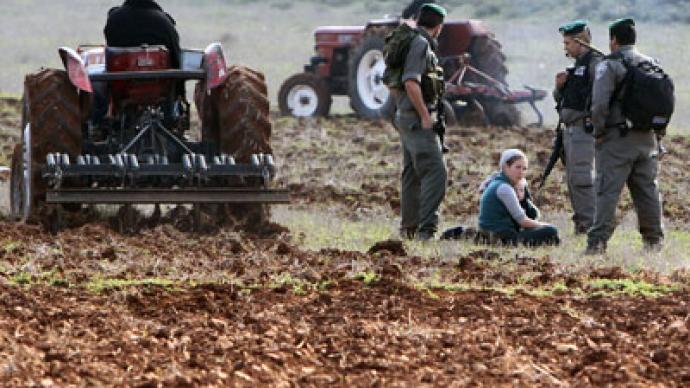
x=615, y=96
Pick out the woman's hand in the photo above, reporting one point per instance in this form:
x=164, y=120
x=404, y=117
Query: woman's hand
x=529, y=223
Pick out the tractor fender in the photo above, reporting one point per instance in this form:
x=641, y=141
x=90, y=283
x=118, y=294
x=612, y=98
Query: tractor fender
x=215, y=66
x=76, y=69
x=457, y=36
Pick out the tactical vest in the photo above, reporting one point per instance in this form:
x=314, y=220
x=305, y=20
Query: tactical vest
x=578, y=89
x=433, y=83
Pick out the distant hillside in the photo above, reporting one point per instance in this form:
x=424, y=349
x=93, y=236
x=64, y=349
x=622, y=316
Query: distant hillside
x=661, y=11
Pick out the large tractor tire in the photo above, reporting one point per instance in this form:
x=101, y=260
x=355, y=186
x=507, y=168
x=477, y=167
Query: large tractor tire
x=52, y=119
x=235, y=116
x=369, y=96
x=487, y=56
x=305, y=95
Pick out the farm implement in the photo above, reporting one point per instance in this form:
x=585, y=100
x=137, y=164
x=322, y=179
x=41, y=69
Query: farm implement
x=113, y=127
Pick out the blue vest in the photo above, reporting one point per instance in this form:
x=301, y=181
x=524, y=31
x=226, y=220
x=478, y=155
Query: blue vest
x=493, y=214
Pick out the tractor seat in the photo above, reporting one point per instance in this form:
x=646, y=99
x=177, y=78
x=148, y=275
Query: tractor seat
x=143, y=58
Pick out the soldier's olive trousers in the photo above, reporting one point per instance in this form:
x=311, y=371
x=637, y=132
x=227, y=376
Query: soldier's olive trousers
x=424, y=177
x=631, y=160
x=579, y=168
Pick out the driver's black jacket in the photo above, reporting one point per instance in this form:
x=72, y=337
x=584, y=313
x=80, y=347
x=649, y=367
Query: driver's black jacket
x=138, y=22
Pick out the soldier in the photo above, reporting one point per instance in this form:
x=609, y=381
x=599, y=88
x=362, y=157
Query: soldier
x=623, y=154
x=573, y=96
x=424, y=175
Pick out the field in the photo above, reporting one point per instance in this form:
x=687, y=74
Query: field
x=327, y=294
x=276, y=37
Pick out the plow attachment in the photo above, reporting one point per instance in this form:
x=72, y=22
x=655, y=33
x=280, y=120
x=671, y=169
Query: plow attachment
x=457, y=88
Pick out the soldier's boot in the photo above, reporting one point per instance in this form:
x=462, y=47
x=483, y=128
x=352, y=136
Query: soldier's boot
x=581, y=228
x=425, y=235
x=653, y=246
x=595, y=248
x=408, y=233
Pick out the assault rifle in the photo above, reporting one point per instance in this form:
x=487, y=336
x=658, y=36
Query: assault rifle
x=556, y=153
x=589, y=46
x=440, y=125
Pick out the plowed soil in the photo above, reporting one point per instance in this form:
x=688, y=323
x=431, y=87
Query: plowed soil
x=164, y=307
x=355, y=165
x=235, y=310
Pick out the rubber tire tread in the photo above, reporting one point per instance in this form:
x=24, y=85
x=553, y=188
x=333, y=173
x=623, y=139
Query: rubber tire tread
x=488, y=57
x=16, y=208
x=54, y=109
x=236, y=114
x=317, y=83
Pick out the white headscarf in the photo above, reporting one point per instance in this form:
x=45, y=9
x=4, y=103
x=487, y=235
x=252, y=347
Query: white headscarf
x=505, y=157
x=509, y=154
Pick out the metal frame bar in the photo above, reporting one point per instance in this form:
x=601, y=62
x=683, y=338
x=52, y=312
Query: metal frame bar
x=148, y=75
x=168, y=196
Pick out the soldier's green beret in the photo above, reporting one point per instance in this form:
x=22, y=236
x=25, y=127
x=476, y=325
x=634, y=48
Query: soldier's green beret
x=436, y=8
x=574, y=27
x=621, y=22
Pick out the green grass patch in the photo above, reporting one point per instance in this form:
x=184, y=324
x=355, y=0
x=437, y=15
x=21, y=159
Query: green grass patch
x=328, y=231
x=632, y=287
x=10, y=246
x=99, y=285
x=22, y=279
x=593, y=288
x=298, y=286
x=368, y=277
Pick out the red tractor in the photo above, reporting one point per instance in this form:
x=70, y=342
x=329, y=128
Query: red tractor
x=113, y=128
x=349, y=62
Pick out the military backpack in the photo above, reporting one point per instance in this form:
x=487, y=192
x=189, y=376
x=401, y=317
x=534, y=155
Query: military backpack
x=647, y=95
x=395, y=52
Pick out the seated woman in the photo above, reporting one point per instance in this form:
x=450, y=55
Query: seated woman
x=524, y=196
x=500, y=213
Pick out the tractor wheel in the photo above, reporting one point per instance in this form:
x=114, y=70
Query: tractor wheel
x=52, y=122
x=20, y=189
x=236, y=117
x=488, y=57
x=304, y=95
x=369, y=96
x=470, y=114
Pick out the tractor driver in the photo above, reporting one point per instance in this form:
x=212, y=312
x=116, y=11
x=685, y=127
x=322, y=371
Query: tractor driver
x=138, y=22
x=132, y=24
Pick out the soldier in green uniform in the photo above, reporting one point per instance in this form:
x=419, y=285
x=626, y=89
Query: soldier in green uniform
x=624, y=155
x=424, y=175
x=573, y=97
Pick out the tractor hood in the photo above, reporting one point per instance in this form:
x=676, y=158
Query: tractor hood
x=336, y=36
